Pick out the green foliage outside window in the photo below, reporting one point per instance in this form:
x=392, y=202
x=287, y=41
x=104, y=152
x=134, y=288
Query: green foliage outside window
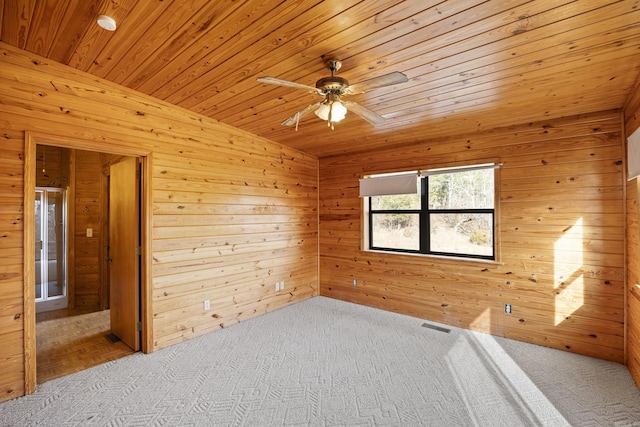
x=397, y=202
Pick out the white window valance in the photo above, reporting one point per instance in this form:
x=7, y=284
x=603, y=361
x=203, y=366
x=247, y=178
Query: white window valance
x=633, y=155
x=386, y=185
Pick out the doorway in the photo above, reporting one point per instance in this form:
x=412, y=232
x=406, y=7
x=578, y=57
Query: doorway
x=97, y=327
x=105, y=347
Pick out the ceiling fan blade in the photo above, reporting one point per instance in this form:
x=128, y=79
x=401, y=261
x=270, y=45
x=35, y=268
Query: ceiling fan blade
x=300, y=114
x=365, y=113
x=287, y=83
x=386, y=80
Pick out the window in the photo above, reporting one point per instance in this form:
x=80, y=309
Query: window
x=451, y=214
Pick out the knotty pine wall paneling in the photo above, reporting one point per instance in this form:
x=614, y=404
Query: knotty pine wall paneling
x=88, y=206
x=633, y=278
x=232, y=213
x=561, y=233
x=633, y=334
x=631, y=123
x=12, y=371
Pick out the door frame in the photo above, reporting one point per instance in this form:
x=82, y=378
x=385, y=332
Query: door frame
x=32, y=139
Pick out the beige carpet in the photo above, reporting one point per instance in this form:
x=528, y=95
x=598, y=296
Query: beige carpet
x=323, y=362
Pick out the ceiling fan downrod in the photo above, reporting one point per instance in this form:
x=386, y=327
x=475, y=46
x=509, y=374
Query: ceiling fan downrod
x=333, y=65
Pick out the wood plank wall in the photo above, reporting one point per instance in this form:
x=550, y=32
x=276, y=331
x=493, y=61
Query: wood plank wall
x=12, y=371
x=88, y=205
x=632, y=122
x=232, y=213
x=633, y=278
x=561, y=228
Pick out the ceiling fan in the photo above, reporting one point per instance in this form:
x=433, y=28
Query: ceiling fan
x=333, y=108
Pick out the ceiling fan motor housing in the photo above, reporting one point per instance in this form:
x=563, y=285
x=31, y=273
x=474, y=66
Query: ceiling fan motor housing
x=333, y=84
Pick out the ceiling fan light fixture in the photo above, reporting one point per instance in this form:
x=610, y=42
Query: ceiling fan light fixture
x=332, y=111
x=107, y=22
x=323, y=111
x=338, y=111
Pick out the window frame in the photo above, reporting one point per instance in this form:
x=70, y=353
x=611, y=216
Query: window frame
x=424, y=213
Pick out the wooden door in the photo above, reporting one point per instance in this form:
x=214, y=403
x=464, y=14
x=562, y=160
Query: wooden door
x=124, y=242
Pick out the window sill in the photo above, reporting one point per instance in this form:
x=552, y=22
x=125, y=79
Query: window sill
x=445, y=259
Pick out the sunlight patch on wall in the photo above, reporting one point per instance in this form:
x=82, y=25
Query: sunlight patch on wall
x=568, y=259
x=483, y=322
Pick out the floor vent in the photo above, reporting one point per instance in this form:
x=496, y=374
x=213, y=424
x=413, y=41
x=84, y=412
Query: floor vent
x=112, y=338
x=437, y=328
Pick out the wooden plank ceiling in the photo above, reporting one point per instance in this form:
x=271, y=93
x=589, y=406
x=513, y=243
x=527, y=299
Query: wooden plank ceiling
x=472, y=64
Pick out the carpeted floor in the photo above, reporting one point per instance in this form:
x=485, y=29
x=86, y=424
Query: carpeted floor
x=323, y=362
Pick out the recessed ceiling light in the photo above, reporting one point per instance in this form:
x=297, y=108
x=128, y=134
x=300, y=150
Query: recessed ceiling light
x=107, y=22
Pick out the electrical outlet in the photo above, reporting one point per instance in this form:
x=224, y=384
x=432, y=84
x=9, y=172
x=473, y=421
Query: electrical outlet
x=207, y=304
x=355, y=282
x=282, y=285
x=507, y=309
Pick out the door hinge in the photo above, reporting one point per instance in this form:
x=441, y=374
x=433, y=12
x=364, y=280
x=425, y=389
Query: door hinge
x=139, y=326
x=138, y=250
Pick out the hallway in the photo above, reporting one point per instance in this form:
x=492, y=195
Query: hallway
x=70, y=344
